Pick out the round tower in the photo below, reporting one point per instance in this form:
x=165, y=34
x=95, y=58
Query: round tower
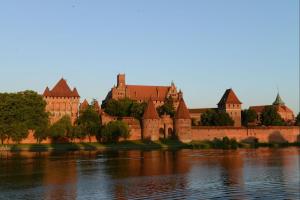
x=151, y=122
x=183, y=123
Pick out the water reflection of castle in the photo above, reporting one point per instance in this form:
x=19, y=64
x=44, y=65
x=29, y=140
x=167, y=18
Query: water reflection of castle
x=131, y=174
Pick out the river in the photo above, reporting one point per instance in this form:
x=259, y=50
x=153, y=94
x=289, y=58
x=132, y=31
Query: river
x=262, y=173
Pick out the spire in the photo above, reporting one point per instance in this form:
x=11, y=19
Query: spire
x=278, y=100
x=46, y=92
x=150, y=111
x=182, y=111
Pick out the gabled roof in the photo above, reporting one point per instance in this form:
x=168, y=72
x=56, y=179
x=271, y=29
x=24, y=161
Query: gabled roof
x=229, y=97
x=278, y=100
x=61, y=89
x=150, y=111
x=144, y=92
x=182, y=111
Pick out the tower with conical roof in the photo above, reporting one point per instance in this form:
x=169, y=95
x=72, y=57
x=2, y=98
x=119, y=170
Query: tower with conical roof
x=183, y=123
x=231, y=105
x=61, y=101
x=151, y=122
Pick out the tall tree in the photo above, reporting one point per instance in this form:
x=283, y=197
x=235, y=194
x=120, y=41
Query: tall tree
x=89, y=122
x=248, y=116
x=115, y=130
x=216, y=118
x=167, y=108
x=61, y=128
x=270, y=117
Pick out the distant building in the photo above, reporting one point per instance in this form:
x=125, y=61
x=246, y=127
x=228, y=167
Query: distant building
x=61, y=101
x=285, y=112
x=228, y=103
x=142, y=93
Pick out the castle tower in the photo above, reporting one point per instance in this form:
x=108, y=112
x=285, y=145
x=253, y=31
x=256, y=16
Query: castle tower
x=183, y=123
x=232, y=105
x=278, y=101
x=84, y=105
x=61, y=101
x=121, y=81
x=151, y=122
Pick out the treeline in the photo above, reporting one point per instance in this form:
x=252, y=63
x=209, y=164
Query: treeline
x=88, y=125
x=24, y=111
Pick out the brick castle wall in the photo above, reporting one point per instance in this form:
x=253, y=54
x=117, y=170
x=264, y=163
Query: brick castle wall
x=263, y=134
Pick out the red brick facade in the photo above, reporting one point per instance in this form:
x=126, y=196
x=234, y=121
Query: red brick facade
x=61, y=101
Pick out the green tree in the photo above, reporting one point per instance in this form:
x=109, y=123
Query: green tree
x=248, y=116
x=167, y=108
x=137, y=110
x=270, y=117
x=216, y=118
x=115, y=130
x=61, y=128
x=88, y=123
x=298, y=119
x=21, y=111
x=125, y=108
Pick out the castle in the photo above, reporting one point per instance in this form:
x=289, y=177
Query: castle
x=142, y=93
x=61, y=100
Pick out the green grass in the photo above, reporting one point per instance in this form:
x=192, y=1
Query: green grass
x=143, y=145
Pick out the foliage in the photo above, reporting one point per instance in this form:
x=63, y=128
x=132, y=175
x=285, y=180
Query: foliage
x=270, y=117
x=20, y=112
x=125, y=108
x=88, y=124
x=225, y=143
x=61, y=128
x=248, y=116
x=216, y=118
x=167, y=108
x=115, y=130
x=298, y=119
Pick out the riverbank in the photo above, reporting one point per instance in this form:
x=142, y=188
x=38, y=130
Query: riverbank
x=144, y=145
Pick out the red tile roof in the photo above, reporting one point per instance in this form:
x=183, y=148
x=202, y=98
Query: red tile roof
x=143, y=92
x=150, y=111
x=280, y=108
x=61, y=89
x=182, y=111
x=229, y=97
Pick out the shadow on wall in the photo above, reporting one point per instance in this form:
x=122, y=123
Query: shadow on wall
x=250, y=139
x=276, y=137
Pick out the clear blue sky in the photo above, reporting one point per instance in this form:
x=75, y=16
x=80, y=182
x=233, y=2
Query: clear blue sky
x=205, y=46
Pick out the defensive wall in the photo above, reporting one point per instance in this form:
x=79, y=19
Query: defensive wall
x=272, y=134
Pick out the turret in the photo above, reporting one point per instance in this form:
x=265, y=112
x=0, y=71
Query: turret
x=151, y=122
x=183, y=123
x=232, y=105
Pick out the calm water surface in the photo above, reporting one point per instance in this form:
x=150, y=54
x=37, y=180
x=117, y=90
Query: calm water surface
x=182, y=174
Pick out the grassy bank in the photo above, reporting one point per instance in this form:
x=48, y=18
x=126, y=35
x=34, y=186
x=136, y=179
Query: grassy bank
x=143, y=145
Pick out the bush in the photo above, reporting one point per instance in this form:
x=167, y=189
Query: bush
x=113, y=131
x=225, y=143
